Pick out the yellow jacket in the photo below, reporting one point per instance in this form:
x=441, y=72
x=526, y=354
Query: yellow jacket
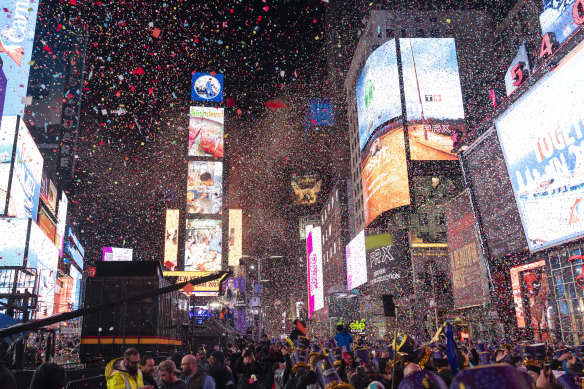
x=118, y=377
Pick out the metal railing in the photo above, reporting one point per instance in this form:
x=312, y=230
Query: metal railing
x=87, y=383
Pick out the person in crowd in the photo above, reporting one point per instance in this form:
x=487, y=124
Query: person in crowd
x=123, y=373
x=194, y=376
x=247, y=371
x=201, y=357
x=6, y=376
x=220, y=373
x=147, y=367
x=343, y=337
x=47, y=376
x=168, y=374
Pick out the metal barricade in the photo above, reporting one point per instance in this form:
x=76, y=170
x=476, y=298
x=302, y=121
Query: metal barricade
x=87, y=383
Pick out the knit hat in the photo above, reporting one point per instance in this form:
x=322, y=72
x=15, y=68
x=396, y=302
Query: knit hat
x=48, y=376
x=218, y=355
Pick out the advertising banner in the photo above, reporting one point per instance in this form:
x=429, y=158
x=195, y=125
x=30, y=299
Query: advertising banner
x=530, y=284
x=205, y=187
x=378, y=91
x=467, y=265
x=26, y=176
x=7, y=137
x=433, y=96
x=520, y=58
x=385, y=172
x=356, y=261
x=17, y=27
x=171, y=239
x=203, y=245
x=61, y=222
x=388, y=260
x=306, y=189
x=315, y=276
x=77, y=289
x=73, y=254
x=74, y=239
x=206, y=132
x=236, y=288
x=13, y=241
x=541, y=136
x=558, y=18
x=206, y=287
x=207, y=87
x=43, y=256
x=64, y=295
x=235, y=236
x=112, y=254
x=48, y=193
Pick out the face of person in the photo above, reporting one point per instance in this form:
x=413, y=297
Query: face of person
x=148, y=368
x=371, y=373
x=247, y=360
x=132, y=363
x=533, y=374
x=165, y=376
x=213, y=361
x=188, y=367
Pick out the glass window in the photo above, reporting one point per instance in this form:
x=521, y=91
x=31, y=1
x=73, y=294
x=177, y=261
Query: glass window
x=567, y=272
x=571, y=290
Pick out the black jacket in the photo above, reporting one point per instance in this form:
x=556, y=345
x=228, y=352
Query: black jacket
x=244, y=372
x=223, y=377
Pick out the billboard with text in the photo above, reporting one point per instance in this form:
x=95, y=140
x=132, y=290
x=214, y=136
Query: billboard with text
x=235, y=236
x=117, y=254
x=171, y=239
x=356, y=261
x=315, y=276
x=206, y=132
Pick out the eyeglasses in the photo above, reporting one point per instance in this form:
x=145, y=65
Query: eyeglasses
x=133, y=362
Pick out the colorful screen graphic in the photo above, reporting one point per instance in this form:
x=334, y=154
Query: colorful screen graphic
x=306, y=189
x=171, y=239
x=558, y=18
x=530, y=285
x=43, y=255
x=7, y=134
x=207, y=87
x=13, y=241
x=203, y=247
x=205, y=188
x=114, y=254
x=385, y=172
x=378, y=91
x=235, y=236
x=433, y=96
x=388, y=261
x=206, y=132
x=356, y=262
x=542, y=137
x=315, y=276
x=321, y=113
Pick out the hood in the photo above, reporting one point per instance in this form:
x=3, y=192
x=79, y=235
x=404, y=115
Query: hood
x=114, y=366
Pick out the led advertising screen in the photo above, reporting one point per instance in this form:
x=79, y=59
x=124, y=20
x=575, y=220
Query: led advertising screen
x=207, y=87
x=378, y=91
x=541, y=136
x=306, y=189
x=356, y=261
x=433, y=96
x=13, y=241
x=48, y=193
x=43, y=255
x=64, y=295
x=206, y=132
x=315, y=276
x=205, y=187
x=171, y=239
x=76, y=290
x=388, y=260
x=17, y=31
x=210, y=288
x=7, y=135
x=112, y=254
x=520, y=58
x=61, y=222
x=467, y=265
x=529, y=282
x=203, y=247
x=235, y=236
x=321, y=113
x=385, y=172
x=558, y=18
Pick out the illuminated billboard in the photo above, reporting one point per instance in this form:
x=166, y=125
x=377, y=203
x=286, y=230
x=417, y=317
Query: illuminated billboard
x=206, y=132
x=235, y=236
x=388, y=261
x=521, y=57
x=207, y=87
x=558, y=18
x=306, y=189
x=315, y=276
x=17, y=31
x=205, y=187
x=61, y=222
x=13, y=241
x=27, y=173
x=48, y=193
x=433, y=96
x=77, y=289
x=378, y=91
x=7, y=135
x=541, y=136
x=203, y=246
x=356, y=262
x=113, y=254
x=171, y=239
x=530, y=283
x=206, y=288
x=43, y=256
x=385, y=172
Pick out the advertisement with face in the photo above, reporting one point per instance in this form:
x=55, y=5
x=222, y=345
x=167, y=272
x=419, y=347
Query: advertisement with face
x=356, y=262
x=7, y=134
x=112, y=254
x=26, y=176
x=203, y=248
x=387, y=260
x=433, y=96
x=235, y=236
x=542, y=139
x=43, y=255
x=207, y=87
x=378, y=91
x=385, y=172
x=558, y=18
x=17, y=30
x=171, y=239
x=315, y=276
x=306, y=189
x=205, y=188
x=13, y=241
x=206, y=132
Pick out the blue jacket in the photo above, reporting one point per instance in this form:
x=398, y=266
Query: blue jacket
x=344, y=339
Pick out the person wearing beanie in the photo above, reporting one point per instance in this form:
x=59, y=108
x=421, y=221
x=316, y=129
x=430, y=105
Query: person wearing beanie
x=48, y=376
x=217, y=369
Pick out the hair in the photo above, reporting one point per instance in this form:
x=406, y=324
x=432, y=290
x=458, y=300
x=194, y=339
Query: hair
x=167, y=366
x=129, y=352
x=145, y=359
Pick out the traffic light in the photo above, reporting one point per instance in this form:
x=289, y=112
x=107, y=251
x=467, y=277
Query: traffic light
x=388, y=305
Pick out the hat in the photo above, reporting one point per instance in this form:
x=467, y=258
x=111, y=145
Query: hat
x=299, y=359
x=498, y=376
x=405, y=344
x=48, y=376
x=327, y=375
x=376, y=385
x=533, y=354
x=302, y=342
x=219, y=356
x=423, y=379
x=316, y=350
x=362, y=356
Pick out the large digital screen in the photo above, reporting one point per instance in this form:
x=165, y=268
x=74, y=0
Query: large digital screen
x=77, y=289
x=13, y=241
x=529, y=282
x=207, y=87
x=17, y=32
x=43, y=255
x=356, y=261
x=388, y=260
x=171, y=239
x=27, y=174
x=306, y=189
x=321, y=113
x=206, y=132
x=315, y=276
x=7, y=135
x=48, y=193
x=378, y=91
x=541, y=136
x=384, y=172
x=558, y=18
x=114, y=254
x=467, y=265
x=433, y=96
x=205, y=187
x=235, y=236
x=61, y=222
x=204, y=289
x=203, y=246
